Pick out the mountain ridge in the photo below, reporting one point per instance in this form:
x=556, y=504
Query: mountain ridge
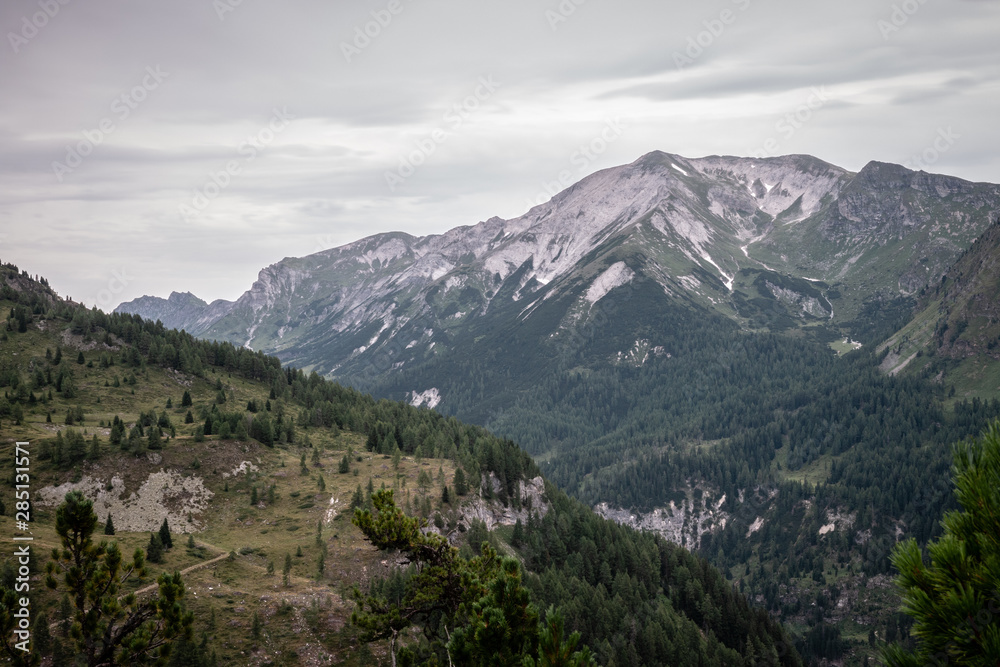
x=698, y=227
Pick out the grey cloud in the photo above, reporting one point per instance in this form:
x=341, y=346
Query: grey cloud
x=323, y=180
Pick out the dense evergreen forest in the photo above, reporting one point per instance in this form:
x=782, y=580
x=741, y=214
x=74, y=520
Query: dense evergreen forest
x=635, y=598
x=774, y=425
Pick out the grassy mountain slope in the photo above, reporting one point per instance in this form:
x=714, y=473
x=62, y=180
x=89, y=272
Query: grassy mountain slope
x=636, y=598
x=954, y=337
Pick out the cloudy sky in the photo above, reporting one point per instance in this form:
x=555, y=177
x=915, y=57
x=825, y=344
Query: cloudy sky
x=148, y=146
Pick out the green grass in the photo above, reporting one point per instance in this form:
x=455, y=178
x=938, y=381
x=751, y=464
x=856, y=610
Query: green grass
x=842, y=347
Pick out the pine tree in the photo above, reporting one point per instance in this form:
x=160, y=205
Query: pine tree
x=461, y=486
x=517, y=538
x=154, y=550
x=109, y=526
x=955, y=600
x=42, y=638
x=168, y=542
x=106, y=624
x=358, y=499
x=345, y=465
x=186, y=399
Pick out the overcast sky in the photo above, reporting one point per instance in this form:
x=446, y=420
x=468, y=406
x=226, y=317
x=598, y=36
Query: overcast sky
x=147, y=147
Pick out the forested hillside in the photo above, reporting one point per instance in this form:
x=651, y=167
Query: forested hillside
x=114, y=397
x=791, y=467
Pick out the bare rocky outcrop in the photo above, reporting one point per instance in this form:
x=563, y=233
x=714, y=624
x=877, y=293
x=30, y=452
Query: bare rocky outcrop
x=683, y=524
x=163, y=495
x=494, y=513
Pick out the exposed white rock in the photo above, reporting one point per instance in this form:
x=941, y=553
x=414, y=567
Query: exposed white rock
x=430, y=397
x=810, y=305
x=493, y=513
x=244, y=468
x=164, y=495
x=616, y=275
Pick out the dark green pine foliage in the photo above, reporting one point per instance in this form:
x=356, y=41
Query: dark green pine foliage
x=165, y=538
x=955, y=599
x=154, y=550
x=109, y=526
x=108, y=627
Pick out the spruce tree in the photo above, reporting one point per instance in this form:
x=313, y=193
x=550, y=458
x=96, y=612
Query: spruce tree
x=109, y=526
x=461, y=486
x=154, y=550
x=255, y=626
x=168, y=542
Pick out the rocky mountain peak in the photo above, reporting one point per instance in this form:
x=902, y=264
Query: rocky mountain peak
x=703, y=231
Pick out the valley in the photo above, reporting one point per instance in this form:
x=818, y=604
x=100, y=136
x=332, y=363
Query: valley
x=257, y=470
x=748, y=357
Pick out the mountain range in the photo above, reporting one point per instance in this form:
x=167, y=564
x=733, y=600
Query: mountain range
x=772, y=244
x=763, y=359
